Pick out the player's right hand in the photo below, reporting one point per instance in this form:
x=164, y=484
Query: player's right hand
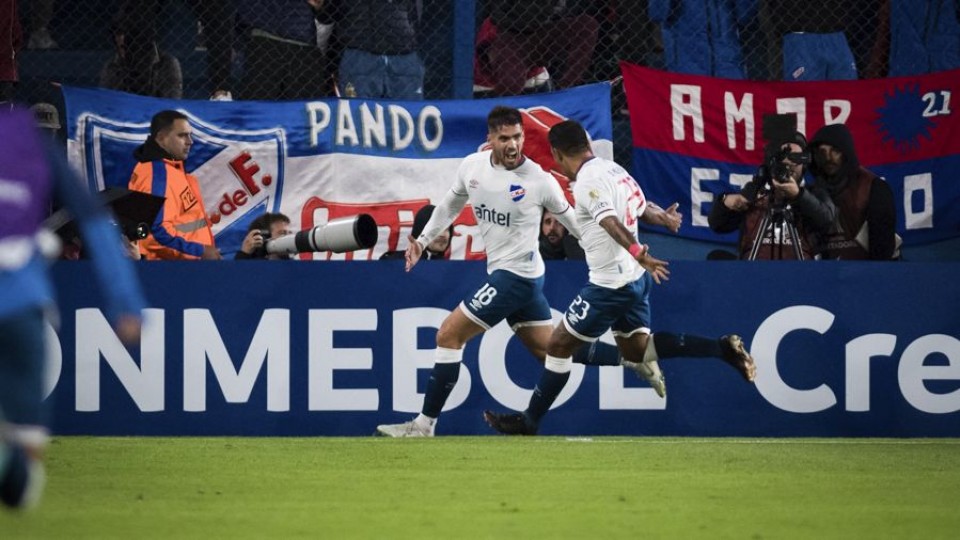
x=414, y=250
x=657, y=268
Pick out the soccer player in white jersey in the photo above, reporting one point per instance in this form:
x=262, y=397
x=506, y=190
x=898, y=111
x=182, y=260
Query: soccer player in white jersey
x=608, y=204
x=508, y=194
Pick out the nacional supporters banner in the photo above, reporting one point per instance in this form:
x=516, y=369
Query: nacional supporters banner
x=696, y=136
x=320, y=160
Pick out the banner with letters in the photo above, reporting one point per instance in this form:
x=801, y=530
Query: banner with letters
x=696, y=136
x=334, y=348
x=320, y=160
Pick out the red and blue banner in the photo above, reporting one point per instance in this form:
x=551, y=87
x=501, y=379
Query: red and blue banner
x=696, y=136
x=320, y=160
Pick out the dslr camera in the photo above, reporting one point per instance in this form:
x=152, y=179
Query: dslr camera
x=261, y=252
x=778, y=130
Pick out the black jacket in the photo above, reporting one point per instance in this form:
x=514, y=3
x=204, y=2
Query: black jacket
x=569, y=249
x=864, y=202
x=387, y=27
x=813, y=211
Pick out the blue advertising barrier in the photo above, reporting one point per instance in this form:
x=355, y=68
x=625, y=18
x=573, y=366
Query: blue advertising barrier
x=335, y=348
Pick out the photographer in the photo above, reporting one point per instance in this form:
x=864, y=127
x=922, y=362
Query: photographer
x=265, y=227
x=773, y=205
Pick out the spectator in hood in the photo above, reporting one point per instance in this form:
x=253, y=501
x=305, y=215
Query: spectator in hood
x=866, y=219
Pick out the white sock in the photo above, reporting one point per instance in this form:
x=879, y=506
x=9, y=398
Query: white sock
x=650, y=354
x=426, y=421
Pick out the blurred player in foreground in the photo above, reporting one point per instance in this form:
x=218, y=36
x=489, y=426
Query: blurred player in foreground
x=608, y=204
x=30, y=173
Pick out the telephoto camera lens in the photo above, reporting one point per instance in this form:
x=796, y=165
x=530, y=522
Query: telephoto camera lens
x=339, y=236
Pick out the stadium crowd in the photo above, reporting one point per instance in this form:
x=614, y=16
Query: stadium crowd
x=298, y=49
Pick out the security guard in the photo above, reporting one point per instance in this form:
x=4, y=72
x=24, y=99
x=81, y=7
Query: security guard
x=181, y=230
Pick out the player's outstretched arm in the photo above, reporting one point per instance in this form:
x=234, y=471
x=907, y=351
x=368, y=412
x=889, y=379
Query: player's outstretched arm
x=617, y=231
x=669, y=219
x=443, y=215
x=114, y=272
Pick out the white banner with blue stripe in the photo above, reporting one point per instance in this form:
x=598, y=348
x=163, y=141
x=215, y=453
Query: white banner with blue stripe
x=320, y=160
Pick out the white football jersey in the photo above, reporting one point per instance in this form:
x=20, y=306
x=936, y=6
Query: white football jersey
x=508, y=206
x=603, y=189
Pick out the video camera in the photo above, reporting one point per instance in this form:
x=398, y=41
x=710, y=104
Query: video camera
x=339, y=236
x=778, y=130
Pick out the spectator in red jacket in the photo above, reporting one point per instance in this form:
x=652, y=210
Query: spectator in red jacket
x=524, y=34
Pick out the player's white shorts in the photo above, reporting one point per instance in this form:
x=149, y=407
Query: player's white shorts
x=505, y=295
x=625, y=310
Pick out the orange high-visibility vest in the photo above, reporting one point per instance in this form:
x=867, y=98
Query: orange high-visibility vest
x=181, y=229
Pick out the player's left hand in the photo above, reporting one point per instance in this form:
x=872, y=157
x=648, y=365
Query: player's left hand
x=127, y=328
x=672, y=218
x=414, y=250
x=657, y=268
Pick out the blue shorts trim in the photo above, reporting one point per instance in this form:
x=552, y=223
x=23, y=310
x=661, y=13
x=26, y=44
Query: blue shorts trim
x=596, y=309
x=505, y=295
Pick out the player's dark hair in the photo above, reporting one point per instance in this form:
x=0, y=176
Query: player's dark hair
x=569, y=138
x=163, y=120
x=266, y=221
x=502, y=116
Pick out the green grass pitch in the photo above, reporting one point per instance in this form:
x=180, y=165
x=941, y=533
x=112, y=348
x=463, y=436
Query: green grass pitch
x=495, y=487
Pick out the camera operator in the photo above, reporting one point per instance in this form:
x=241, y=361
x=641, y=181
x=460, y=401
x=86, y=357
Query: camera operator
x=265, y=227
x=777, y=192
